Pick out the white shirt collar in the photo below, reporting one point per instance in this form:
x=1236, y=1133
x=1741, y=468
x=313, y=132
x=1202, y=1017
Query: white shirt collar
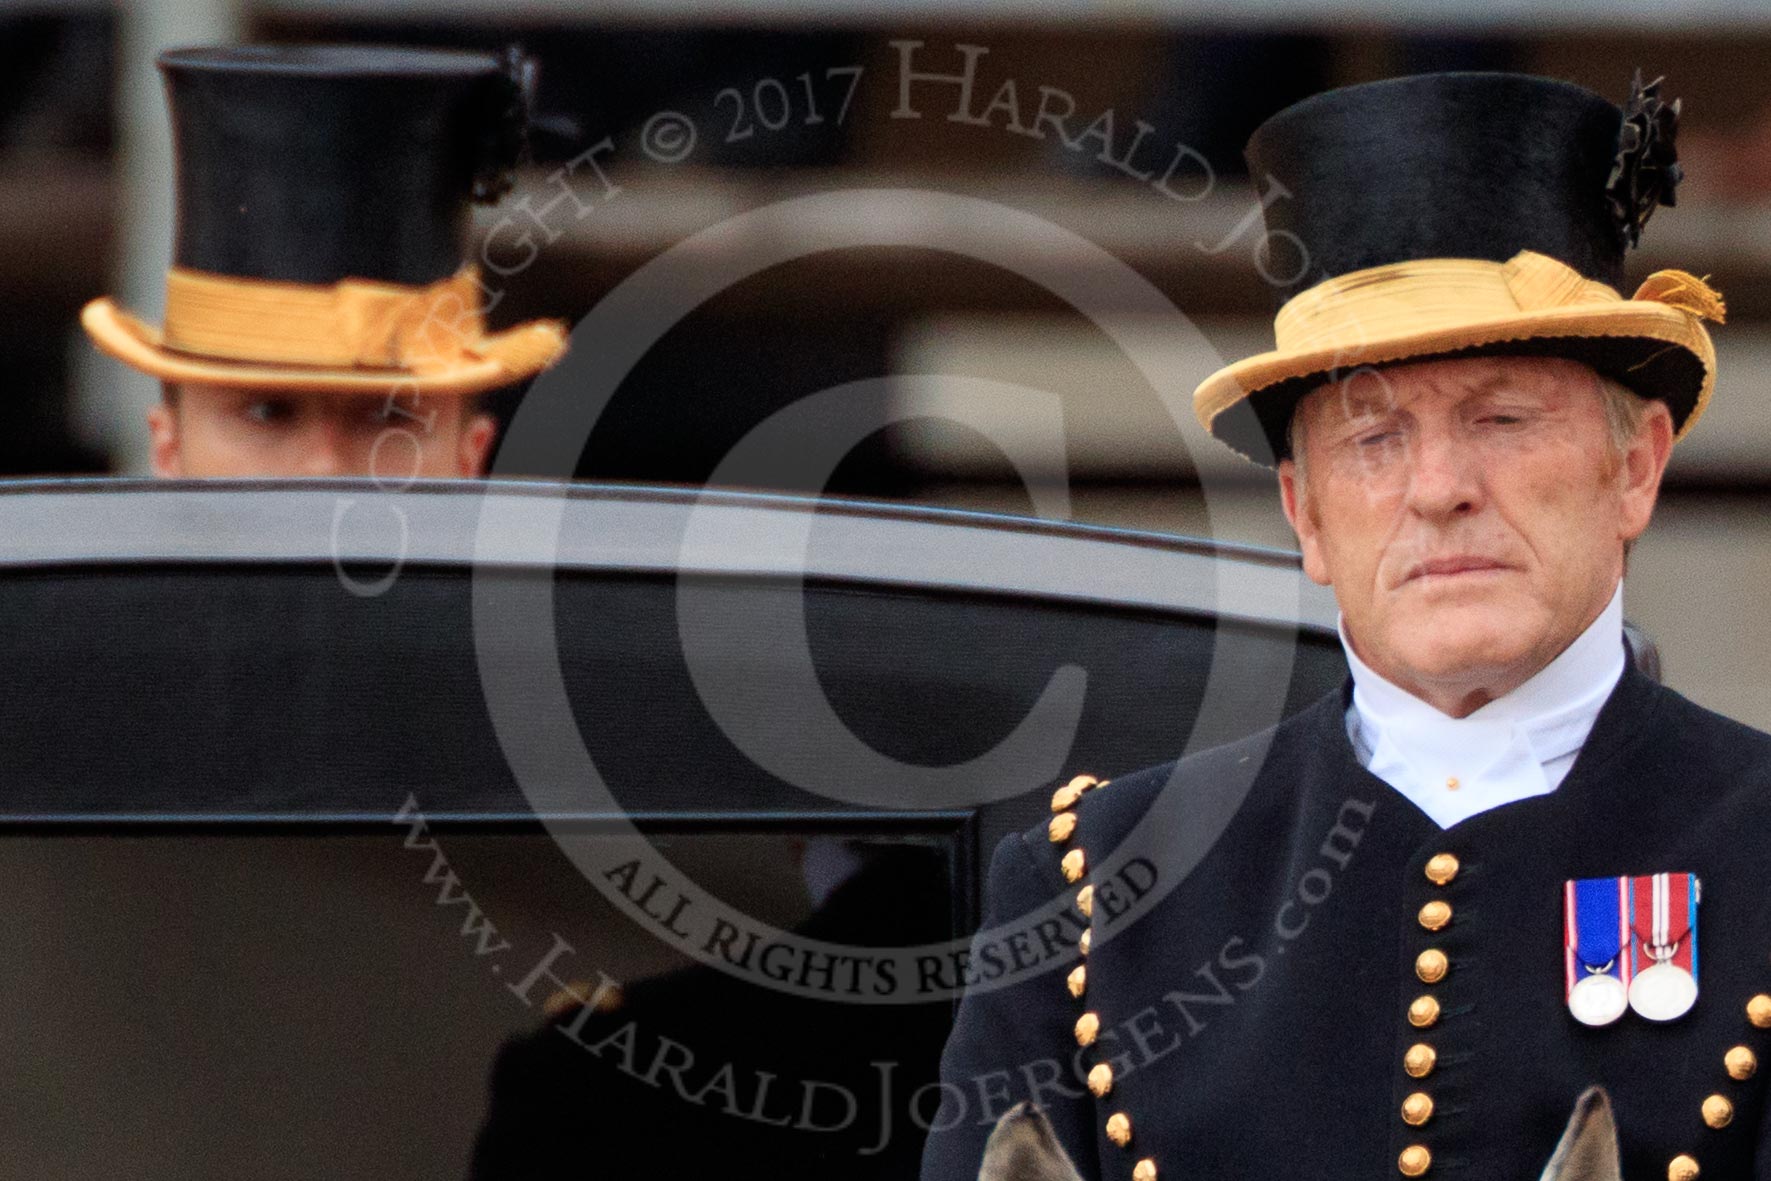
x=1515, y=747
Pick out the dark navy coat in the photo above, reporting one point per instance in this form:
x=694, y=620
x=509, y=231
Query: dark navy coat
x=1269, y=1014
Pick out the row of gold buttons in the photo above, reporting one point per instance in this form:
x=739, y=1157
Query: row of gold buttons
x=1431, y=966
x=1718, y=1110
x=1074, y=865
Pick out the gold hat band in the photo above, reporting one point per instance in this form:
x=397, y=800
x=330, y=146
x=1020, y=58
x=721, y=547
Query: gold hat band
x=354, y=323
x=1431, y=294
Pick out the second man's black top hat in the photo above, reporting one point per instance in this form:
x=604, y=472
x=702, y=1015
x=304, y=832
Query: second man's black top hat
x=324, y=203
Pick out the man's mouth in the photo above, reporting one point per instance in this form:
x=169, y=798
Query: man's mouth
x=1452, y=566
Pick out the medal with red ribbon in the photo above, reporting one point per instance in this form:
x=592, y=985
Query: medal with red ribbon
x=1664, y=923
x=1598, y=949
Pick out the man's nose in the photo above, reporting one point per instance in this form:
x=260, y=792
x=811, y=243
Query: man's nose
x=327, y=450
x=1445, y=476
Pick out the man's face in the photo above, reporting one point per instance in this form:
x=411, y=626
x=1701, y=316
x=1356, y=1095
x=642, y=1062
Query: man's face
x=220, y=431
x=1470, y=514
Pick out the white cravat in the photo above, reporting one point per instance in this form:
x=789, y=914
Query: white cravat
x=1515, y=747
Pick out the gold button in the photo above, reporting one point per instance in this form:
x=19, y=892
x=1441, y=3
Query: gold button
x=1741, y=1062
x=1758, y=1011
x=1082, y=944
x=1431, y=965
x=1082, y=783
x=1100, y=1079
x=1682, y=1168
x=1423, y=1013
x=1452, y=784
x=1417, y=1109
x=1717, y=1111
x=1435, y=915
x=1065, y=797
x=1077, y=980
x=1144, y=1170
x=1061, y=826
x=1073, y=865
x=602, y=998
x=1088, y=1026
x=566, y=1000
x=1415, y=1160
x=1441, y=868
x=1420, y=1060
x=1085, y=900
x=1119, y=1128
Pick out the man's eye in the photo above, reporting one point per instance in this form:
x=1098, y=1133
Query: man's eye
x=269, y=410
x=1379, y=438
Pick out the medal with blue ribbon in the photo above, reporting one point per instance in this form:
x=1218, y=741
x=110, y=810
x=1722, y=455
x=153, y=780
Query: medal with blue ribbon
x=1599, y=951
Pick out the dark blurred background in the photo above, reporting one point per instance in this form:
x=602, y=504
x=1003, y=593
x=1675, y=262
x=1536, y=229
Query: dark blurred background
x=85, y=197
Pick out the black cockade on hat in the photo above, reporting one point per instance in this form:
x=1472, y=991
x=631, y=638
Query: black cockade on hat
x=1646, y=171
x=504, y=143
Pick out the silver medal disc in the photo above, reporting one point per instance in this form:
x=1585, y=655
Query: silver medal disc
x=1663, y=992
x=1598, y=1000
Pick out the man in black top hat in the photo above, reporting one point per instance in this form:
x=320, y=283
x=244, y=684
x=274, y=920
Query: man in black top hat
x=1402, y=932
x=321, y=317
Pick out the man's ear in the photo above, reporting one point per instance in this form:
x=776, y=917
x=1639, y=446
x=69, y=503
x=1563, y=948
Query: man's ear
x=1294, y=497
x=477, y=434
x=163, y=444
x=1644, y=463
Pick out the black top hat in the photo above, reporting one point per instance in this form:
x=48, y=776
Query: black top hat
x=313, y=163
x=1460, y=213
x=321, y=165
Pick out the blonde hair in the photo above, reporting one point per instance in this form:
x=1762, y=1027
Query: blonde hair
x=1624, y=409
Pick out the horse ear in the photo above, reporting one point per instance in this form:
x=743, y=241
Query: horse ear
x=1588, y=1151
x=1023, y=1147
